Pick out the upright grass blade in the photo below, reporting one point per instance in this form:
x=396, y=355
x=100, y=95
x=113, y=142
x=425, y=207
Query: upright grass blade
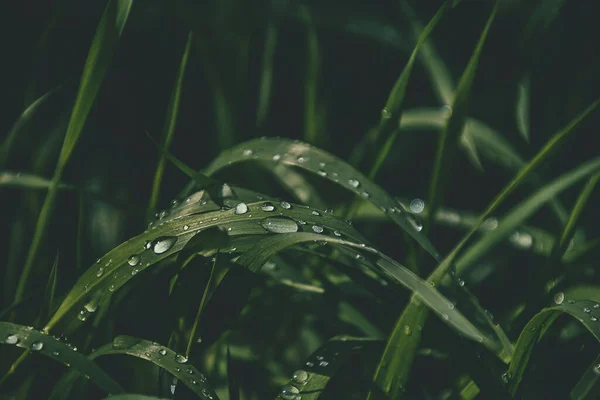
x=585, y=311
x=311, y=83
x=301, y=155
x=310, y=380
x=522, y=107
x=522, y=211
x=449, y=136
x=266, y=74
x=38, y=342
x=22, y=122
x=587, y=387
x=394, y=105
x=170, y=122
x=109, y=30
x=48, y=301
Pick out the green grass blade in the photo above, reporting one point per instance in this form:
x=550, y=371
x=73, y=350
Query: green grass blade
x=449, y=136
x=49, y=295
x=584, y=311
x=522, y=211
x=587, y=387
x=301, y=155
x=266, y=75
x=233, y=387
x=311, y=83
x=395, y=101
x=101, y=51
x=297, y=185
x=170, y=122
x=22, y=122
x=310, y=380
x=522, y=107
x=40, y=343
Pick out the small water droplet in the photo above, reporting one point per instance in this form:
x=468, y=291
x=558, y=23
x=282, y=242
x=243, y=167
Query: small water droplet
x=322, y=172
x=186, y=227
x=354, y=183
x=301, y=159
x=277, y=157
x=385, y=113
x=268, y=207
x=310, y=364
x=323, y=363
x=147, y=244
x=37, y=346
x=241, y=208
x=285, y=205
x=446, y=317
x=163, y=244
x=586, y=310
x=11, y=339
x=181, y=359
x=289, y=392
x=316, y=213
x=559, y=298
x=366, y=195
x=100, y=272
x=300, y=376
x=248, y=152
x=490, y=224
x=407, y=330
x=134, y=271
x=111, y=288
x=55, y=353
x=521, y=239
x=570, y=301
x=461, y=282
x=415, y=223
x=596, y=305
x=505, y=377
x=597, y=369
x=317, y=228
x=279, y=225
x=92, y=306
x=417, y=206
x=447, y=111
x=134, y=260
x=162, y=352
x=594, y=319
x=337, y=233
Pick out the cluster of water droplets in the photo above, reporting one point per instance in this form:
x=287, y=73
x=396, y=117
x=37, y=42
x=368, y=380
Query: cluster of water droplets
x=292, y=390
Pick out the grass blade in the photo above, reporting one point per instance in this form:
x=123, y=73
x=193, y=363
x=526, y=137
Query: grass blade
x=266, y=75
x=108, y=32
x=522, y=107
x=310, y=381
x=587, y=387
x=448, y=141
x=585, y=311
x=301, y=155
x=170, y=122
x=48, y=301
x=40, y=343
x=311, y=83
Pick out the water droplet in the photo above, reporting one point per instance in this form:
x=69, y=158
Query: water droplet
x=37, y=346
x=446, y=317
x=594, y=319
x=317, y=228
x=407, y=330
x=322, y=172
x=597, y=369
x=596, y=306
x=147, y=244
x=289, y=392
x=447, y=111
x=571, y=301
x=417, y=206
x=163, y=214
x=505, y=377
x=354, y=183
x=337, y=233
x=316, y=213
x=461, y=282
x=310, y=364
x=586, y=310
x=301, y=159
x=277, y=157
x=134, y=271
x=559, y=298
x=55, y=353
x=11, y=339
x=415, y=223
x=385, y=114
x=279, y=225
x=180, y=359
x=248, y=152
x=92, y=306
x=285, y=205
x=111, y=288
x=190, y=371
x=162, y=352
x=490, y=224
x=134, y=260
x=100, y=272
x=366, y=195
x=521, y=239
x=300, y=376
x=241, y=208
x=186, y=227
x=323, y=363
x=163, y=244
x=268, y=207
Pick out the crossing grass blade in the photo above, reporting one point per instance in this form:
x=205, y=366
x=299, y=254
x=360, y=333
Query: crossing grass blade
x=304, y=156
x=49, y=295
x=170, y=122
x=448, y=141
x=310, y=380
x=522, y=107
x=40, y=343
x=107, y=34
x=584, y=311
x=587, y=387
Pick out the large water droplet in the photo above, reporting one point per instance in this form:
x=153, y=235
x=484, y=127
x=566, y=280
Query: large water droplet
x=268, y=207
x=11, y=339
x=163, y=244
x=354, y=183
x=279, y=225
x=417, y=206
x=285, y=205
x=559, y=298
x=181, y=359
x=289, y=392
x=300, y=376
x=241, y=208
x=134, y=260
x=37, y=346
x=317, y=228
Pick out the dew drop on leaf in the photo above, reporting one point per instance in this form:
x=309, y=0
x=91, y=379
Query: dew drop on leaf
x=559, y=298
x=37, y=346
x=354, y=183
x=279, y=225
x=317, y=228
x=133, y=260
x=289, y=392
x=181, y=359
x=248, y=152
x=417, y=206
x=285, y=205
x=163, y=244
x=11, y=339
x=300, y=376
x=241, y=208
x=268, y=207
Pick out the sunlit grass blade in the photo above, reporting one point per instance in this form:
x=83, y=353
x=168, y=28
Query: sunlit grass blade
x=310, y=380
x=170, y=122
x=266, y=76
x=297, y=185
x=521, y=212
x=584, y=311
x=587, y=387
x=448, y=141
x=522, y=107
x=394, y=105
x=21, y=123
x=99, y=57
x=176, y=364
x=40, y=343
x=317, y=161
